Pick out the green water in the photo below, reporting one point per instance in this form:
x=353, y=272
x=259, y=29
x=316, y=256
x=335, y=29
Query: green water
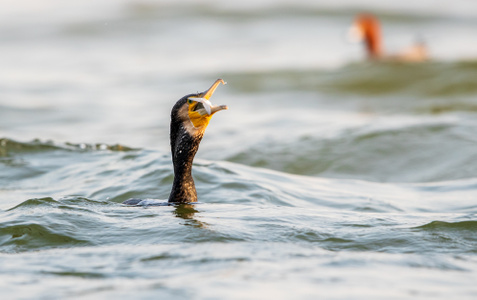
x=327, y=178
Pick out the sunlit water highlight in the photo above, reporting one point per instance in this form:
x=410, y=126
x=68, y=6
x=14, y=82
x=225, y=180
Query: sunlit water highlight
x=327, y=178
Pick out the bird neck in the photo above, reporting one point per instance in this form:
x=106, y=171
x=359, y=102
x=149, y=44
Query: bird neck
x=373, y=41
x=184, y=146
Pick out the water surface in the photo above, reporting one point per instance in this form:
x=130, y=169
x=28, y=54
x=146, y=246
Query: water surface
x=328, y=177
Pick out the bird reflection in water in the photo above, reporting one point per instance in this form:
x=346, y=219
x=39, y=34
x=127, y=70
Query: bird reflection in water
x=187, y=212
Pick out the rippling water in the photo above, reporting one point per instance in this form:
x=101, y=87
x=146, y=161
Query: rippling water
x=328, y=177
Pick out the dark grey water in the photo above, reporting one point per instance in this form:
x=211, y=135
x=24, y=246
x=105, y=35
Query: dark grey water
x=328, y=177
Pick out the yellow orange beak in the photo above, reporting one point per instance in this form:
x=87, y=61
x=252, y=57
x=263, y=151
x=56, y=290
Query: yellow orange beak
x=204, y=97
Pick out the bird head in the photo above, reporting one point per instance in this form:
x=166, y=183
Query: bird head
x=366, y=28
x=200, y=109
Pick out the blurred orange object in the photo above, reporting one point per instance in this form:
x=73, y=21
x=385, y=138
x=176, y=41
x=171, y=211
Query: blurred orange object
x=366, y=28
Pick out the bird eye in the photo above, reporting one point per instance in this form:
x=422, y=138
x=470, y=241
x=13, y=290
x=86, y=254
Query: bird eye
x=189, y=101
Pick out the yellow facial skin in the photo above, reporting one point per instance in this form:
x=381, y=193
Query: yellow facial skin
x=200, y=116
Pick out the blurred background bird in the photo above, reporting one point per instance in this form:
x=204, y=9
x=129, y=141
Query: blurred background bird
x=367, y=29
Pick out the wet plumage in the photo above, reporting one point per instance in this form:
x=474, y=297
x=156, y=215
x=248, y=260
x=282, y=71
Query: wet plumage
x=189, y=119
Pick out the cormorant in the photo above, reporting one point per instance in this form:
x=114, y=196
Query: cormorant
x=189, y=118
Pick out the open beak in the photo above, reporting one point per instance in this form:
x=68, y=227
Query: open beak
x=205, y=96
